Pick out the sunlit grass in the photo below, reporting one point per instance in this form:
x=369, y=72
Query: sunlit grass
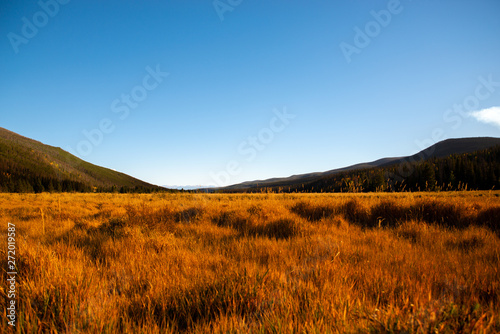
x=415, y=262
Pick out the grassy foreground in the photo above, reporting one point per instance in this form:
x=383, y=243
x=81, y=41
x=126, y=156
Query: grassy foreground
x=97, y=263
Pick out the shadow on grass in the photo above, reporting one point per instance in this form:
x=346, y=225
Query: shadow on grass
x=284, y=228
x=391, y=214
x=91, y=239
x=312, y=212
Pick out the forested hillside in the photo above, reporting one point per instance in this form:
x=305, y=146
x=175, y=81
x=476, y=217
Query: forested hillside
x=27, y=165
x=479, y=170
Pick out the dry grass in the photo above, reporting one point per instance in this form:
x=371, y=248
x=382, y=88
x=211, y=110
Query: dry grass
x=323, y=263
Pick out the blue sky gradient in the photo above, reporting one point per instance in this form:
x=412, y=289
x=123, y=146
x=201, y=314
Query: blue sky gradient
x=232, y=65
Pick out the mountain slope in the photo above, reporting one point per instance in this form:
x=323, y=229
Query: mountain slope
x=27, y=165
x=439, y=150
x=448, y=147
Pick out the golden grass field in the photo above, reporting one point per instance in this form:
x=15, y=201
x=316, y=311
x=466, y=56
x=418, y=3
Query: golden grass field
x=262, y=263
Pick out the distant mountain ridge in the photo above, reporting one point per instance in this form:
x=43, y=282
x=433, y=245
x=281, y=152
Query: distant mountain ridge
x=439, y=150
x=186, y=187
x=28, y=165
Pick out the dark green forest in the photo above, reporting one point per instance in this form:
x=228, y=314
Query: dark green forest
x=479, y=170
x=23, y=180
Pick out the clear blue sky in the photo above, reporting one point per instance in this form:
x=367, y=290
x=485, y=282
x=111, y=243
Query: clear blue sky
x=232, y=65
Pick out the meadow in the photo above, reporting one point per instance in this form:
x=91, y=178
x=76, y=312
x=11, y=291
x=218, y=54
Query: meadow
x=260, y=263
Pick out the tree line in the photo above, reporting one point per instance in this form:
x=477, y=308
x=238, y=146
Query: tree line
x=37, y=184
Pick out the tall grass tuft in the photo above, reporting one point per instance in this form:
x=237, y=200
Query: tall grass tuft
x=355, y=212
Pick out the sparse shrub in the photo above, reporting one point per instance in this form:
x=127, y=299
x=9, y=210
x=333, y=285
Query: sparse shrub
x=165, y=214
x=389, y=213
x=490, y=217
x=188, y=215
x=439, y=212
x=312, y=212
x=279, y=229
x=231, y=219
x=355, y=212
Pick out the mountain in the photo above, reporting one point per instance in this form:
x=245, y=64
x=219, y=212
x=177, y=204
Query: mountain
x=28, y=165
x=448, y=147
x=441, y=149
